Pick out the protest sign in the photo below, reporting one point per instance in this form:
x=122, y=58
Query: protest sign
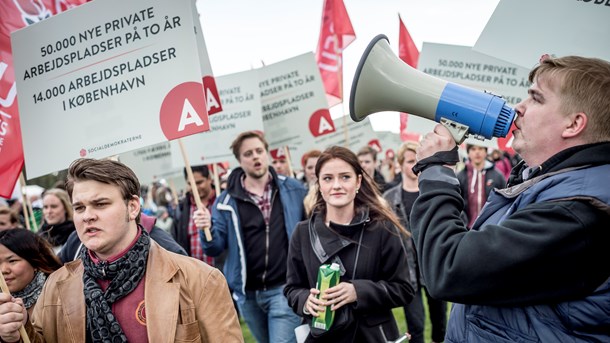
x=212, y=98
x=359, y=135
x=123, y=76
x=15, y=15
x=462, y=65
x=520, y=31
x=151, y=163
x=294, y=105
x=240, y=96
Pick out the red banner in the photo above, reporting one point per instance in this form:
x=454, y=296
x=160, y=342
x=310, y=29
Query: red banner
x=15, y=15
x=407, y=51
x=336, y=34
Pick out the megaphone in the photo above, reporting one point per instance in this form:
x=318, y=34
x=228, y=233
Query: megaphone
x=383, y=82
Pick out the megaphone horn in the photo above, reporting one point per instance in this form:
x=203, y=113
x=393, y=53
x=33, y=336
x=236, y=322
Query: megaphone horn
x=385, y=83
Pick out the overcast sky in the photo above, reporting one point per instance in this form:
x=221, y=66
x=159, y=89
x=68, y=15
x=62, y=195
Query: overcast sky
x=242, y=34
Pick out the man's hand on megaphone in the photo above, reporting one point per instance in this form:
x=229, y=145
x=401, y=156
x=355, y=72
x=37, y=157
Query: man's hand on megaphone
x=436, y=148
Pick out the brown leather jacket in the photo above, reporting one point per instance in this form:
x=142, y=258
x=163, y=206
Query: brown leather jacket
x=186, y=301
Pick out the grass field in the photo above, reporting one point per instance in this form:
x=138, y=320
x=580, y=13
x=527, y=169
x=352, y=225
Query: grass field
x=399, y=315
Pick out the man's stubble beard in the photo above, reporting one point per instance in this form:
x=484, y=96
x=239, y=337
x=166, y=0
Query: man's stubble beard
x=256, y=175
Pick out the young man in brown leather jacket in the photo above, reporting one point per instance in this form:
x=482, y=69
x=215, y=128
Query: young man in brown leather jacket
x=124, y=287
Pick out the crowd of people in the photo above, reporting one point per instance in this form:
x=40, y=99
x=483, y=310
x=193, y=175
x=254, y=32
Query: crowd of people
x=514, y=244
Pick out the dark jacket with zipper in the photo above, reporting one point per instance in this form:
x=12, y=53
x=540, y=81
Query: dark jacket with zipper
x=532, y=268
x=377, y=267
x=256, y=256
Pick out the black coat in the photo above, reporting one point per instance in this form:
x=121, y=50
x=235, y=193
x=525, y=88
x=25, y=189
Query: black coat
x=381, y=279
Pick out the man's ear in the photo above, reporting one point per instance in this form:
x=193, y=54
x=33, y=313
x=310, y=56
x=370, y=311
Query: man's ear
x=133, y=207
x=576, y=125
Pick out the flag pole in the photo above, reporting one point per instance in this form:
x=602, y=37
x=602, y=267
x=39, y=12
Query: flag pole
x=24, y=202
x=191, y=178
x=340, y=80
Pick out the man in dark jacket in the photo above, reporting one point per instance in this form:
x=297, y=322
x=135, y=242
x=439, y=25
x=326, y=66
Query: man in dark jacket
x=478, y=178
x=253, y=220
x=532, y=268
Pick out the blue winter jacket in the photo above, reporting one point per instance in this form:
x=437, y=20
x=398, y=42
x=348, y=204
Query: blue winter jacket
x=583, y=320
x=227, y=234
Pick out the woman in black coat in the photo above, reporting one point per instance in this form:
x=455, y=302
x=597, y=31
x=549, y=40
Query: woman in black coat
x=353, y=227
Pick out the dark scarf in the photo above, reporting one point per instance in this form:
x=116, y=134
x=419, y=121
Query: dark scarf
x=125, y=274
x=30, y=293
x=57, y=234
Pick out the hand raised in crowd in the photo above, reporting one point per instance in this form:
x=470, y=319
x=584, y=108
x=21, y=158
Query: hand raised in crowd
x=202, y=218
x=12, y=315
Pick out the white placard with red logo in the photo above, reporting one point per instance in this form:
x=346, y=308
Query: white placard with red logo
x=520, y=31
x=105, y=78
x=359, y=134
x=240, y=97
x=151, y=163
x=214, y=105
x=293, y=102
x=462, y=65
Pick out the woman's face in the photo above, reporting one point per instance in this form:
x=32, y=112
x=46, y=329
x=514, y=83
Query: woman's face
x=17, y=271
x=338, y=184
x=53, y=210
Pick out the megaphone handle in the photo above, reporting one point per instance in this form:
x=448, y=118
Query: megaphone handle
x=458, y=131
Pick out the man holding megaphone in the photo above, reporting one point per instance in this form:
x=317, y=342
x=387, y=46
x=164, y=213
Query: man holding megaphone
x=532, y=267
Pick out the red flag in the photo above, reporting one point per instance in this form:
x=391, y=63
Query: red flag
x=407, y=51
x=15, y=15
x=336, y=34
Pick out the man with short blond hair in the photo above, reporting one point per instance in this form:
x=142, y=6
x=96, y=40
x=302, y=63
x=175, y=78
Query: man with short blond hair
x=533, y=268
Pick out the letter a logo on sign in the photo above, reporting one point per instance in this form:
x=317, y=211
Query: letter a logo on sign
x=325, y=126
x=320, y=123
x=183, y=111
x=189, y=116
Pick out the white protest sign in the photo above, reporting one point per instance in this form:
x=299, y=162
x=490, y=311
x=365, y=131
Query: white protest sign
x=214, y=105
x=520, y=31
x=240, y=96
x=360, y=134
x=462, y=65
x=151, y=163
x=293, y=99
x=107, y=77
